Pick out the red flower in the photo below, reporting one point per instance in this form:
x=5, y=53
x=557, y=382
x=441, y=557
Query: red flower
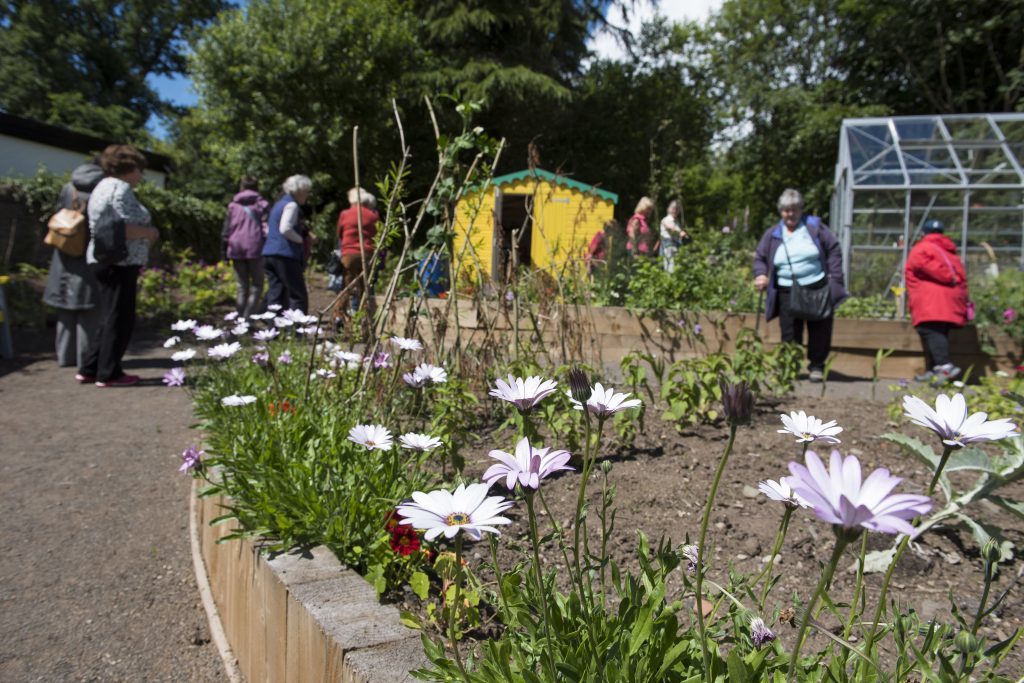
x=405, y=541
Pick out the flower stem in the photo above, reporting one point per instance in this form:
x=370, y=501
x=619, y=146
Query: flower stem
x=857, y=590
x=825, y=580
x=989, y=565
x=705, y=653
x=453, y=623
x=780, y=537
x=539, y=576
x=869, y=640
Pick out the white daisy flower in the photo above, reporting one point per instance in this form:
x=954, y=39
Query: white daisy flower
x=187, y=354
x=228, y=317
x=372, y=436
x=419, y=442
x=265, y=335
x=414, y=380
x=183, y=325
x=406, y=344
x=274, y=308
x=236, y=400
x=281, y=321
x=224, y=350
x=240, y=329
x=950, y=421
x=433, y=373
x=523, y=393
x=467, y=509
x=207, y=332
x=324, y=373
x=807, y=428
x=172, y=342
x=781, y=491
x=605, y=402
x=528, y=466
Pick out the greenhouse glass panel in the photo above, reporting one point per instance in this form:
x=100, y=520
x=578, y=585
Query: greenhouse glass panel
x=895, y=173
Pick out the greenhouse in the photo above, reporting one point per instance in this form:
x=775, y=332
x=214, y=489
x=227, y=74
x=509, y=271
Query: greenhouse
x=894, y=173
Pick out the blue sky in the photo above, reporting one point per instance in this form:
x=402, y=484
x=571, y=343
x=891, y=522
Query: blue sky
x=179, y=89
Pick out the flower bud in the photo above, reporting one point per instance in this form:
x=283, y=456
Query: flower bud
x=991, y=552
x=965, y=642
x=606, y=466
x=737, y=402
x=579, y=385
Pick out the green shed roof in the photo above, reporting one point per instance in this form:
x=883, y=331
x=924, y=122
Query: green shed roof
x=541, y=174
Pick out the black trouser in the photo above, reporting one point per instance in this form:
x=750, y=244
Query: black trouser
x=286, y=285
x=117, y=290
x=819, y=332
x=935, y=340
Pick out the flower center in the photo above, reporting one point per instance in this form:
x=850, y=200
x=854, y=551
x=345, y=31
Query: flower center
x=457, y=519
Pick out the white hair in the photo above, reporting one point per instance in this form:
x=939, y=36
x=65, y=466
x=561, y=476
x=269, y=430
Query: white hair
x=297, y=183
x=357, y=193
x=790, y=199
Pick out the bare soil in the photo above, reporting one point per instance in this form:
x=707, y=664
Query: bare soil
x=96, y=577
x=663, y=479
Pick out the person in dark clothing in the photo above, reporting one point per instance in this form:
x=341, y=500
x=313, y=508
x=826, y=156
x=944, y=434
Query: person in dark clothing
x=284, y=253
x=811, y=255
x=71, y=285
x=245, y=233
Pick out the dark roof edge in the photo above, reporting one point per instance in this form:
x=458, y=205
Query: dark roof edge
x=56, y=136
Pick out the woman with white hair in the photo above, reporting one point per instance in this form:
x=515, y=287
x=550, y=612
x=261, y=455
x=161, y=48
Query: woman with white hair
x=284, y=252
x=357, y=228
x=809, y=259
x=672, y=234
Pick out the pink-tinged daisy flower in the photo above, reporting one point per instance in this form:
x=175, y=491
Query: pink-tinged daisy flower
x=950, y=421
x=207, y=332
x=229, y=317
x=172, y=342
x=414, y=380
x=467, y=509
x=431, y=373
x=265, y=335
x=224, y=350
x=840, y=496
x=381, y=360
x=781, y=491
x=348, y=357
x=183, y=325
x=261, y=358
x=527, y=466
x=605, y=402
x=298, y=317
x=406, y=344
x=419, y=442
x=372, y=436
x=235, y=400
x=760, y=634
x=191, y=459
x=807, y=428
x=241, y=329
x=281, y=321
x=175, y=377
x=181, y=356
x=285, y=358
x=524, y=394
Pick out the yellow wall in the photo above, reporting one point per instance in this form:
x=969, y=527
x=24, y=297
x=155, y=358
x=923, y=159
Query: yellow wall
x=564, y=221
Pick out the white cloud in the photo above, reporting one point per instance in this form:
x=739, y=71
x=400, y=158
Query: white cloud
x=604, y=44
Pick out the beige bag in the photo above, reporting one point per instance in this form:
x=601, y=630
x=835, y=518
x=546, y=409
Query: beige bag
x=68, y=229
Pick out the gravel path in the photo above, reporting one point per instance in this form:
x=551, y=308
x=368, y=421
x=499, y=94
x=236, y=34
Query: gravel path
x=96, y=578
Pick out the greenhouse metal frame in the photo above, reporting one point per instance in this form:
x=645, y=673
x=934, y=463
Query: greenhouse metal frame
x=894, y=173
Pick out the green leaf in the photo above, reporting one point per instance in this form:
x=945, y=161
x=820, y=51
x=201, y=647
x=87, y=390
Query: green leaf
x=878, y=560
x=970, y=459
x=420, y=584
x=921, y=451
x=410, y=620
x=739, y=672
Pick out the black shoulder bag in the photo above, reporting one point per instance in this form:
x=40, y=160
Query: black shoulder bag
x=808, y=304
x=108, y=239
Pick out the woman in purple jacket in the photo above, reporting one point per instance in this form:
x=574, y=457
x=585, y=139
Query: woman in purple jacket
x=813, y=257
x=245, y=231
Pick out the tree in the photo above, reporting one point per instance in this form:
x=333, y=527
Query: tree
x=282, y=85
x=84, y=63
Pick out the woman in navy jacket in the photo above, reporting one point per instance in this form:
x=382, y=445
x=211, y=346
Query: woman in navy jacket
x=813, y=257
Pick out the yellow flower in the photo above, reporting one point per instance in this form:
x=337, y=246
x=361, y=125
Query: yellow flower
x=897, y=291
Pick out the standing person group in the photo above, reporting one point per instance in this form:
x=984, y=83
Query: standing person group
x=121, y=233
x=937, y=294
x=801, y=253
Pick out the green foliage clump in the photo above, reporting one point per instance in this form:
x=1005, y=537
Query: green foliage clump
x=999, y=305
x=185, y=289
x=878, y=306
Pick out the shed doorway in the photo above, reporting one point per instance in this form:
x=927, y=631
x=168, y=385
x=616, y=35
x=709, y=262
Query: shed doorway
x=513, y=230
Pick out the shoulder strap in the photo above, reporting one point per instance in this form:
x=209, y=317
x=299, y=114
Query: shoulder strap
x=949, y=264
x=75, y=204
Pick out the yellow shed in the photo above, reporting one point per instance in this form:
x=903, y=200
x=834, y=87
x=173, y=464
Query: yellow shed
x=549, y=217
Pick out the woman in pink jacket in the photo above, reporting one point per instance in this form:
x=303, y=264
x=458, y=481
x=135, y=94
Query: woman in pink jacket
x=937, y=294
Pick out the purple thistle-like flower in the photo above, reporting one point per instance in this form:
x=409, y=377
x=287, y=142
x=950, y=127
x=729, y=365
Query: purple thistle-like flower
x=175, y=377
x=841, y=497
x=698, y=329
x=737, y=402
x=285, y=358
x=191, y=459
x=760, y=634
x=261, y=358
x=692, y=554
x=381, y=359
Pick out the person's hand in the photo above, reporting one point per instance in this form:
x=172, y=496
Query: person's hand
x=760, y=282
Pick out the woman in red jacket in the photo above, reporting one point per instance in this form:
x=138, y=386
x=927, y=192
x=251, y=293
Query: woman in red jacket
x=937, y=293
x=359, y=220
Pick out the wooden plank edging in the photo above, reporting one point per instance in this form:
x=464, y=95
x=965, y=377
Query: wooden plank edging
x=301, y=616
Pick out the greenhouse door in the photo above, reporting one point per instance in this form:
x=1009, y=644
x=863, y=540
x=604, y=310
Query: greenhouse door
x=512, y=232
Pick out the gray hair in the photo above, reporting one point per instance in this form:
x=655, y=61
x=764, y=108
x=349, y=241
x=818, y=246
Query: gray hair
x=791, y=198
x=297, y=183
x=367, y=199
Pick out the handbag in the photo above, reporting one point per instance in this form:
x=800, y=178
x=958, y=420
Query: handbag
x=808, y=303
x=108, y=242
x=67, y=230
